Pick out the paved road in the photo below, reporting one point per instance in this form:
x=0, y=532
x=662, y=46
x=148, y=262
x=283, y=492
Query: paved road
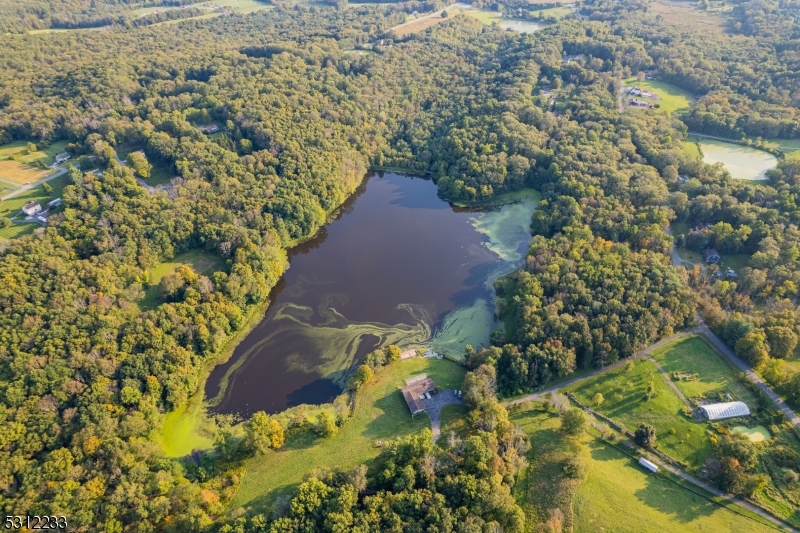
x=32, y=185
x=752, y=376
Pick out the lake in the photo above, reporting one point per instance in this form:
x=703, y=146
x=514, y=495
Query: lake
x=397, y=265
x=742, y=162
x=522, y=26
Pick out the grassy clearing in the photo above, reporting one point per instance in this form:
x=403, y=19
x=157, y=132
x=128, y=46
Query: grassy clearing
x=21, y=173
x=200, y=261
x=10, y=208
x=557, y=13
x=694, y=355
x=625, y=393
x=454, y=418
x=418, y=25
x=690, y=255
x=381, y=414
x=734, y=261
x=46, y=155
x=487, y=17
x=691, y=149
x=243, y=6
x=685, y=14
x=619, y=496
x=671, y=98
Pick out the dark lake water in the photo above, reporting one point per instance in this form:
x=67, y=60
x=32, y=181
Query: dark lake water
x=396, y=266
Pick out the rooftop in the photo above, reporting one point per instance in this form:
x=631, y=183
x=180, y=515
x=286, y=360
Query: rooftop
x=720, y=411
x=416, y=387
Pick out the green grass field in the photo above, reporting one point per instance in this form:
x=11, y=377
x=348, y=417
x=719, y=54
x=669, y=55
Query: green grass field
x=10, y=208
x=694, y=355
x=691, y=149
x=626, y=402
x=381, y=414
x=619, y=496
x=690, y=255
x=454, y=418
x=735, y=261
x=554, y=12
x=46, y=154
x=673, y=99
x=202, y=262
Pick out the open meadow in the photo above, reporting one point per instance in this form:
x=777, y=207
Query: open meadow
x=637, y=393
x=671, y=98
x=11, y=207
x=202, y=262
x=714, y=377
x=381, y=413
x=620, y=496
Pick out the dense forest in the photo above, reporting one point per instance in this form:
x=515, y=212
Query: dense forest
x=86, y=374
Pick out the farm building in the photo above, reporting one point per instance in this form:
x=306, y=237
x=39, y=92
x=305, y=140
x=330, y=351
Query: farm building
x=31, y=208
x=710, y=256
x=721, y=411
x=648, y=465
x=63, y=156
x=54, y=203
x=415, y=390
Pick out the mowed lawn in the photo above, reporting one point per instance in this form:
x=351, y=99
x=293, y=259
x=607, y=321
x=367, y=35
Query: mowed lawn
x=9, y=208
x=626, y=402
x=201, y=261
x=621, y=497
x=672, y=99
x=618, y=496
x=20, y=173
x=693, y=355
x=381, y=414
x=454, y=418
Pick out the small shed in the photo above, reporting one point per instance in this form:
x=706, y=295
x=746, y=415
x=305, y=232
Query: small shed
x=31, y=208
x=710, y=256
x=721, y=411
x=648, y=465
x=54, y=203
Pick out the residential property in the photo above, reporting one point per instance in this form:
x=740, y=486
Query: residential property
x=54, y=203
x=648, y=465
x=60, y=158
x=638, y=103
x=31, y=208
x=710, y=256
x=417, y=389
x=212, y=128
x=721, y=411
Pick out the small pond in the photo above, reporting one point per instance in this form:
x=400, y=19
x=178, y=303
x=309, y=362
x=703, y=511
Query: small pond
x=397, y=265
x=522, y=26
x=755, y=434
x=742, y=162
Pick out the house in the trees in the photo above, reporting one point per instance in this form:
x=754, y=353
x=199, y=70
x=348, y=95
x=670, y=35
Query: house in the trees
x=721, y=411
x=60, y=158
x=710, y=256
x=416, y=390
x=31, y=208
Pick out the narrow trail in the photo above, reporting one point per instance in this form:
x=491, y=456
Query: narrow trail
x=669, y=381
